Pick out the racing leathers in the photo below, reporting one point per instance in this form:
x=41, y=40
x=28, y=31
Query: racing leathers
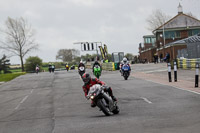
x=122, y=64
x=81, y=72
x=96, y=63
x=81, y=65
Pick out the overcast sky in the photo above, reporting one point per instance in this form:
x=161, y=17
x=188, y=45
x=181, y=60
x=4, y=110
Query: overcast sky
x=120, y=24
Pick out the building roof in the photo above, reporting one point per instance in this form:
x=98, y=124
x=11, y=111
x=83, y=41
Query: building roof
x=192, y=39
x=195, y=38
x=179, y=21
x=153, y=36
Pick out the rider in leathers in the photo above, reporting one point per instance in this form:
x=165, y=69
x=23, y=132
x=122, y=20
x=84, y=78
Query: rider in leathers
x=89, y=82
x=123, y=62
x=96, y=63
x=81, y=65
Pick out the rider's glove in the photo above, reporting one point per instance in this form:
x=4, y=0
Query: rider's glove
x=87, y=97
x=104, y=86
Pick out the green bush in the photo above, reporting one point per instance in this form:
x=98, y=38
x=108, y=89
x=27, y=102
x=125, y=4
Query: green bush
x=32, y=62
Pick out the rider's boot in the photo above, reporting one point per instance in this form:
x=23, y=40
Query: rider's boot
x=114, y=98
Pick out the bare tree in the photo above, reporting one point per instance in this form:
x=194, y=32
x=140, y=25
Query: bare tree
x=67, y=55
x=156, y=19
x=19, y=38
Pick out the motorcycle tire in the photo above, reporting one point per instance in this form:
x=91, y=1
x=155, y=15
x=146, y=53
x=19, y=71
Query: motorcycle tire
x=103, y=108
x=125, y=77
x=116, y=111
x=98, y=76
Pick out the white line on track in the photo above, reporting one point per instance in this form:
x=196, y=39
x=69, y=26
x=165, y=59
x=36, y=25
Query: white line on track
x=23, y=100
x=161, y=70
x=146, y=100
x=17, y=107
x=31, y=91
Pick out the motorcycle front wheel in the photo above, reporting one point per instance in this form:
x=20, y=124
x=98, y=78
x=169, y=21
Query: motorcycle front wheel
x=125, y=77
x=116, y=111
x=103, y=107
x=97, y=76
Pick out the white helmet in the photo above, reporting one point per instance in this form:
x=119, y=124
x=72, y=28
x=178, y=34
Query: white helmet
x=124, y=59
x=81, y=61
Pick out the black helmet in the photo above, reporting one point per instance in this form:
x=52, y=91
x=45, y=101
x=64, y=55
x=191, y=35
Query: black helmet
x=86, y=78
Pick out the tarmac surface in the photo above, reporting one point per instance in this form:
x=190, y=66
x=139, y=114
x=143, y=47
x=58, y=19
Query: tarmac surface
x=55, y=103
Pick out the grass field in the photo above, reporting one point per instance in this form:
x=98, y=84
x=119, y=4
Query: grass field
x=16, y=70
x=10, y=76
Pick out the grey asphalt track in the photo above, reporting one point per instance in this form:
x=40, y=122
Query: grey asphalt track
x=55, y=103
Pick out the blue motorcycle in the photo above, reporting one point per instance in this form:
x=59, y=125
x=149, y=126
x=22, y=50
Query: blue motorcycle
x=126, y=71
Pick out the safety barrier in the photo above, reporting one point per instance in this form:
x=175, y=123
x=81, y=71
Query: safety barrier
x=110, y=66
x=187, y=63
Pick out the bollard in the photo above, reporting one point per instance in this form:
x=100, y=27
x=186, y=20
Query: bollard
x=175, y=72
x=169, y=72
x=197, y=75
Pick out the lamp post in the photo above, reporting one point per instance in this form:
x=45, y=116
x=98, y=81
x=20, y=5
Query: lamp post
x=163, y=37
x=164, y=34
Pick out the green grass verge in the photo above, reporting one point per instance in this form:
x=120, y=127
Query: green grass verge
x=10, y=76
x=15, y=70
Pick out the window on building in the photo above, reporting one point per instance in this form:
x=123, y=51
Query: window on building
x=193, y=32
x=148, y=40
x=153, y=41
x=172, y=34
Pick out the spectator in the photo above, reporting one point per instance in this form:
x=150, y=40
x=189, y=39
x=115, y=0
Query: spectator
x=50, y=69
x=167, y=58
x=161, y=57
x=53, y=68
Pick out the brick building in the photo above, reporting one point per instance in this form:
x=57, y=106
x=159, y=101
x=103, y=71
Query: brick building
x=148, y=48
x=179, y=27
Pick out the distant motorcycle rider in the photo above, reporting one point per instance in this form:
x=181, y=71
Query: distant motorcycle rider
x=89, y=82
x=37, y=68
x=96, y=63
x=81, y=64
x=122, y=63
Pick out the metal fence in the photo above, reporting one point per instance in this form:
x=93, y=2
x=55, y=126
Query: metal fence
x=193, y=50
x=182, y=53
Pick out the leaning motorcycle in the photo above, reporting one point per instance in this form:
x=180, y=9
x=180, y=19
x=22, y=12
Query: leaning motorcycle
x=126, y=71
x=81, y=70
x=97, y=71
x=103, y=100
